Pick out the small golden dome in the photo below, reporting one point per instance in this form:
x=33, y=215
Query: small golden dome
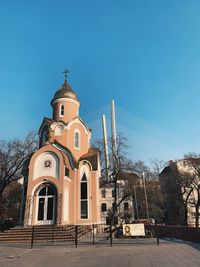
x=65, y=92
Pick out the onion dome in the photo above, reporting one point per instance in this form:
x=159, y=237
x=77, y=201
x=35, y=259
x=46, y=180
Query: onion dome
x=65, y=92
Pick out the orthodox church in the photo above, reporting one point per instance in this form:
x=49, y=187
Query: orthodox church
x=62, y=183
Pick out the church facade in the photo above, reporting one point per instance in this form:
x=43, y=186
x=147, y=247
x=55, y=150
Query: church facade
x=62, y=183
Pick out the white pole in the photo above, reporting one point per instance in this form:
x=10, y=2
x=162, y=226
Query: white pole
x=113, y=125
x=145, y=194
x=105, y=146
x=136, y=202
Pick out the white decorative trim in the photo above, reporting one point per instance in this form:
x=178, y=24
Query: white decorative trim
x=66, y=100
x=78, y=121
x=66, y=205
x=84, y=169
x=52, y=171
x=87, y=162
x=58, y=130
x=30, y=219
x=55, y=124
x=67, y=179
x=46, y=197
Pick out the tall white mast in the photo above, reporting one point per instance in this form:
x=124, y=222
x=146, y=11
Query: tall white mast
x=105, y=138
x=114, y=135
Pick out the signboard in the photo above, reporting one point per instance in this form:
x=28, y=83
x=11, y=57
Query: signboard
x=136, y=229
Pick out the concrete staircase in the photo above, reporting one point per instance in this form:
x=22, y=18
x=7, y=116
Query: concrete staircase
x=44, y=234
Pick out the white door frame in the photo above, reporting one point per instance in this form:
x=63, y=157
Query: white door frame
x=45, y=221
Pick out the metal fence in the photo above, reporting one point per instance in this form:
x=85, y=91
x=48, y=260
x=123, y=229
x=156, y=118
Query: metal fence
x=94, y=234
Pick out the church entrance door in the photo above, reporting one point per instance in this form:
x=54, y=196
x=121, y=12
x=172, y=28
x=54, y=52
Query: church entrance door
x=46, y=205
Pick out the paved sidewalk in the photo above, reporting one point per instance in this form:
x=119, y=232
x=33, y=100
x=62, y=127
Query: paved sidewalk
x=166, y=255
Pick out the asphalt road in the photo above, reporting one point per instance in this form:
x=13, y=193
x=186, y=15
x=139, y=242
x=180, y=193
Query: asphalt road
x=167, y=254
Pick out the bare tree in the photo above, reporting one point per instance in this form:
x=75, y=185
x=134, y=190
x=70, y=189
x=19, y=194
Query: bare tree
x=149, y=195
x=185, y=180
x=12, y=157
x=10, y=202
x=157, y=166
x=181, y=186
x=120, y=168
x=173, y=196
x=191, y=180
x=131, y=173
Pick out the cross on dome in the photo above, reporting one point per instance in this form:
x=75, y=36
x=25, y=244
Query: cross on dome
x=66, y=73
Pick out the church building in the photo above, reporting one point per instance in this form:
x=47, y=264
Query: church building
x=62, y=183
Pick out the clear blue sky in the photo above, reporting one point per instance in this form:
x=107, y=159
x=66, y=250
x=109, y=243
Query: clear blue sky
x=144, y=54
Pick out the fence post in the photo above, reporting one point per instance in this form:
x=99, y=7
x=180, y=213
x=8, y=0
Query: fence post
x=76, y=236
x=32, y=236
x=93, y=234
x=157, y=234
x=111, y=234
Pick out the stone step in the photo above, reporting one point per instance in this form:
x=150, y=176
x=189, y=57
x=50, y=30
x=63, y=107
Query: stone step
x=43, y=234
x=28, y=242
x=26, y=234
x=44, y=227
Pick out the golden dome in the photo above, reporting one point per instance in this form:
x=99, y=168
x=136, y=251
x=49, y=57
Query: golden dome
x=65, y=92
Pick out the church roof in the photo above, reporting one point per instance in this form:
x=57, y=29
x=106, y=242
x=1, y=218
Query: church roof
x=65, y=92
x=79, y=118
x=46, y=122
x=92, y=157
x=67, y=152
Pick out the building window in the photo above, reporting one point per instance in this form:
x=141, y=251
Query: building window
x=103, y=207
x=126, y=206
x=77, y=139
x=107, y=220
x=62, y=110
x=66, y=172
x=113, y=193
x=58, y=131
x=103, y=193
x=115, y=220
x=84, y=197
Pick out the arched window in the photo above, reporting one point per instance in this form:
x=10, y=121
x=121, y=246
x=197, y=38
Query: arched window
x=46, y=204
x=84, y=197
x=62, y=110
x=58, y=131
x=77, y=139
x=46, y=191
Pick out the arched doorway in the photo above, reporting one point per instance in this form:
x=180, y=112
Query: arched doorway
x=46, y=205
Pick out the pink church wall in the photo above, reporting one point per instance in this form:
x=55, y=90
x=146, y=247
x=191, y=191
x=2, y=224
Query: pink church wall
x=68, y=188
